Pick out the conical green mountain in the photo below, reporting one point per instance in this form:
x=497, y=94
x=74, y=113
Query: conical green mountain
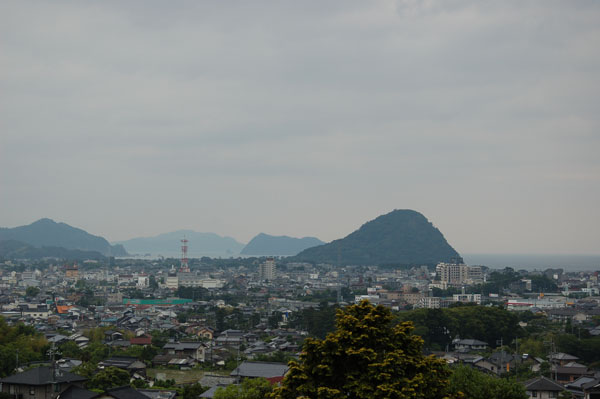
x=401, y=237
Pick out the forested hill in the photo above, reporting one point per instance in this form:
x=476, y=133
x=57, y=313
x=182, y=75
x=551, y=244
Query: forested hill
x=401, y=237
x=11, y=249
x=48, y=233
x=264, y=244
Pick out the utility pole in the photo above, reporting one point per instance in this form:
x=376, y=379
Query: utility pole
x=54, y=367
x=501, y=356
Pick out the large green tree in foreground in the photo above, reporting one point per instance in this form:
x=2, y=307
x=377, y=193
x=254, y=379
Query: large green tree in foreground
x=366, y=357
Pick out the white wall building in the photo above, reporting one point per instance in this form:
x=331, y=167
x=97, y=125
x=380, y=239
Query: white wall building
x=266, y=270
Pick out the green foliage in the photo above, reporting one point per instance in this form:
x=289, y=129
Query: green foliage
x=31, y=292
x=439, y=326
x=477, y=385
x=95, y=352
x=317, y=321
x=108, y=378
x=542, y=284
x=194, y=293
x=276, y=357
x=30, y=345
x=159, y=338
x=366, y=357
x=168, y=383
x=133, y=351
x=256, y=388
x=139, y=384
x=70, y=349
x=586, y=349
x=85, y=369
x=533, y=347
x=152, y=283
x=192, y=391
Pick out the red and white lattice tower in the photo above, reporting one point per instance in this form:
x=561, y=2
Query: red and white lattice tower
x=184, y=259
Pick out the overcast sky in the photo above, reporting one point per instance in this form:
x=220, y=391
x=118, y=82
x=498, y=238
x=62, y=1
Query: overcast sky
x=133, y=118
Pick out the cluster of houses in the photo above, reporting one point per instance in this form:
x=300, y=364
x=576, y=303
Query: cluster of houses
x=567, y=374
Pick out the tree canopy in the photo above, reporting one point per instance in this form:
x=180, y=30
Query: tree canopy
x=439, y=327
x=256, y=388
x=469, y=383
x=108, y=378
x=366, y=357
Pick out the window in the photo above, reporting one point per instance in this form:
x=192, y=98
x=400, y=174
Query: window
x=534, y=394
x=554, y=394
x=32, y=390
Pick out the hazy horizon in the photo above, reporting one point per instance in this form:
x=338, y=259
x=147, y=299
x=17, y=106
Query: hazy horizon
x=132, y=119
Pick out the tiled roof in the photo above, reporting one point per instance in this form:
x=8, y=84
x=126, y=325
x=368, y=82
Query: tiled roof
x=543, y=384
x=260, y=369
x=74, y=392
x=125, y=392
x=41, y=376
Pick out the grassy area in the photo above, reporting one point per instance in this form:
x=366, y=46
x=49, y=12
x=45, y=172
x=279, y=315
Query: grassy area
x=181, y=376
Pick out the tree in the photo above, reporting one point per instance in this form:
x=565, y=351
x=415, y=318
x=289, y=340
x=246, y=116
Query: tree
x=366, y=357
x=108, y=378
x=31, y=292
x=256, y=388
x=193, y=391
x=85, y=369
x=473, y=384
x=152, y=283
x=70, y=349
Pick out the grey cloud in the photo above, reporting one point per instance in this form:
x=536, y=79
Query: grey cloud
x=304, y=118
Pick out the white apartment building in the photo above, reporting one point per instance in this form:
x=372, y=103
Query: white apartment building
x=266, y=270
x=458, y=274
x=172, y=281
x=466, y=298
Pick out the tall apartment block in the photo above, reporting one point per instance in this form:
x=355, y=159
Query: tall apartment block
x=266, y=270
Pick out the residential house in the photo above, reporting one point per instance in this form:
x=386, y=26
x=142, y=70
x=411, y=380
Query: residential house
x=561, y=358
x=466, y=345
x=570, y=372
x=591, y=390
x=576, y=387
x=125, y=392
x=144, y=340
x=273, y=372
x=196, y=350
x=128, y=363
x=542, y=388
x=39, y=383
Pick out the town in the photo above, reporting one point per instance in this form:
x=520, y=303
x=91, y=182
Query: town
x=165, y=328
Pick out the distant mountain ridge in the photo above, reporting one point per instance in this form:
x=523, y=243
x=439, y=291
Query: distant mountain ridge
x=169, y=244
x=48, y=233
x=12, y=249
x=401, y=237
x=265, y=244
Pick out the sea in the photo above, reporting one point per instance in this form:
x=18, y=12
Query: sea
x=569, y=263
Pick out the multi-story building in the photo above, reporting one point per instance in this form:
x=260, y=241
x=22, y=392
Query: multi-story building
x=451, y=274
x=266, y=270
x=72, y=271
x=466, y=298
x=172, y=281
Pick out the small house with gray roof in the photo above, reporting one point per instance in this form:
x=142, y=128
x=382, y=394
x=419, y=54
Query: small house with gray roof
x=542, y=388
x=40, y=383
